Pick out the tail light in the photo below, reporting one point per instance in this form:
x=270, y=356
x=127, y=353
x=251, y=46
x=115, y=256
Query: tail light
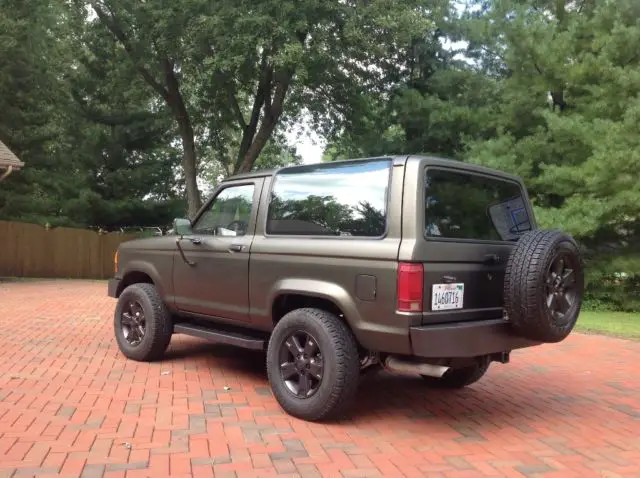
x=410, y=287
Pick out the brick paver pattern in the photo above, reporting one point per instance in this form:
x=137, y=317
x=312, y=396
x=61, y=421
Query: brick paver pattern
x=72, y=405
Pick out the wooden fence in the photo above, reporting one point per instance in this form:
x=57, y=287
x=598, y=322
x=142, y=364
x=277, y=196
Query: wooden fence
x=30, y=250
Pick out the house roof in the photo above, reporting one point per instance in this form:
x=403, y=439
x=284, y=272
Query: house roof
x=7, y=158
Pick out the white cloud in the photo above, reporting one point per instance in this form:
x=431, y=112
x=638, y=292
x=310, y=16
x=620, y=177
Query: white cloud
x=347, y=188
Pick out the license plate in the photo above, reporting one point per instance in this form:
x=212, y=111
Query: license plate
x=447, y=296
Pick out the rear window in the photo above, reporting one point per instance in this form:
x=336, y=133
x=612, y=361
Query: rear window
x=347, y=199
x=469, y=206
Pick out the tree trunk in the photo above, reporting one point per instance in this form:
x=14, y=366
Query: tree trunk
x=272, y=112
x=189, y=157
x=270, y=96
x=256, y=146
x=557, y=93
x=189, y=162
x=249, y=129
x=170, y=93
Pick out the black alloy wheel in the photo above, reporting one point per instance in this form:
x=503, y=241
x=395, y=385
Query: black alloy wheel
x=561, y=288
x=301, y=364
x=142, y=323
x=133, y=323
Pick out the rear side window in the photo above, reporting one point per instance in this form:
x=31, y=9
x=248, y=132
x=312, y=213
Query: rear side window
x=469, y=206
x=347, y=199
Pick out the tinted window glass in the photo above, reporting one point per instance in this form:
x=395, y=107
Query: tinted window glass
x=228, y=214
x=331, y=200
x=468, y=206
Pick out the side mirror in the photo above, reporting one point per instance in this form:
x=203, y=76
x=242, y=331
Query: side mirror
x=181, y=226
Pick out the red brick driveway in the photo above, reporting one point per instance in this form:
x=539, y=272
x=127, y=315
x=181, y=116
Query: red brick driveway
x=71, y=405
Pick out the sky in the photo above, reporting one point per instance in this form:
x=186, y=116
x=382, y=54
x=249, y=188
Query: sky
x=309, y=145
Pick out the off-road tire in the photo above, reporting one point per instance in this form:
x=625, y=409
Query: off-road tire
x=526, y=282
x=337, y=390
x=158, y=328
x=459, y=377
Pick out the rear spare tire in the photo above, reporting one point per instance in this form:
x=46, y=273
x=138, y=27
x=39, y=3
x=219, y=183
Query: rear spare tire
x=544, y=285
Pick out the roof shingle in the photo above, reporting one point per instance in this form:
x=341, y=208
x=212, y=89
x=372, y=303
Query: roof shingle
x=7, y=158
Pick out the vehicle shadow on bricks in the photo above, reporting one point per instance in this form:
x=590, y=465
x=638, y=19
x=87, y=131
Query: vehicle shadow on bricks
x=233, y=359
x=383, y=395
x=482, y=406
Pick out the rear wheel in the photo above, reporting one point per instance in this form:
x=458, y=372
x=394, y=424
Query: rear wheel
x=142, y=323
x=313, y=364
x=459, y=377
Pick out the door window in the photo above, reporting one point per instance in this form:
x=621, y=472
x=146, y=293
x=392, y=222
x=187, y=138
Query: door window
x=331, y=200
x=228, y=214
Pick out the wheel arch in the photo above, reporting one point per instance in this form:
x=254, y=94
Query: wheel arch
x=137, y=273
x=286, y=302
x=291, y=294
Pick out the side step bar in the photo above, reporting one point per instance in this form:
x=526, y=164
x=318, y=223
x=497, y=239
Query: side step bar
x=219, y=336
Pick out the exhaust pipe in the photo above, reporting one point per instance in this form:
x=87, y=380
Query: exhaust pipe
x=398, y=365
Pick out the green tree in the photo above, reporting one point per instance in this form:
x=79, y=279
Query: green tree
x=434, y=105
x=569, y=116
x=95, y=155
x=257, y=65
x=34, y=108
x=549, y=90
x=569, y=110
x=125, y=147
x=151, y=34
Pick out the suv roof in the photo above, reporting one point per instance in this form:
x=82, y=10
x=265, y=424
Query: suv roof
x=397, y=159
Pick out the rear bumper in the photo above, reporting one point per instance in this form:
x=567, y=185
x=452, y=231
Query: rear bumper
x=465, y=339
x=112, y=287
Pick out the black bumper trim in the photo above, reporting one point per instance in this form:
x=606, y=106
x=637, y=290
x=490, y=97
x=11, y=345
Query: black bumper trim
x=466, y=339
x=112, y=287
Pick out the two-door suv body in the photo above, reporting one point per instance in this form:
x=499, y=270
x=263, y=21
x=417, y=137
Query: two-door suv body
x=416, y=264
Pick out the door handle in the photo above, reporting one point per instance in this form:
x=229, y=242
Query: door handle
x=196, y=240
x=236, y=247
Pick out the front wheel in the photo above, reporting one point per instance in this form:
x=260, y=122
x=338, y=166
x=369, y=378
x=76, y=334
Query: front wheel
x=459, y=377
x=142, y=323
x=313, y=364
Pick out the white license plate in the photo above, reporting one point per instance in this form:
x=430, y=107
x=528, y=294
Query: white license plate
x=447, y=296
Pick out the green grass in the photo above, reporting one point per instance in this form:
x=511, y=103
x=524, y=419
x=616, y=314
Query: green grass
x=616, y=324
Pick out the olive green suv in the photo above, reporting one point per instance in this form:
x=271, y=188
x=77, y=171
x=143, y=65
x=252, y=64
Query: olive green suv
x=418, y=265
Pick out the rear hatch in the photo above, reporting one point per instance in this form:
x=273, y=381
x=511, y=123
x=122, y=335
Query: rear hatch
x=471, y=222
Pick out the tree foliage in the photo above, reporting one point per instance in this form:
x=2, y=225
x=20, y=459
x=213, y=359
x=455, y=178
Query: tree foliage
x=127, y=112
x=549, y=90
x=95, y=155
x=571, y=118
x=244, y=67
